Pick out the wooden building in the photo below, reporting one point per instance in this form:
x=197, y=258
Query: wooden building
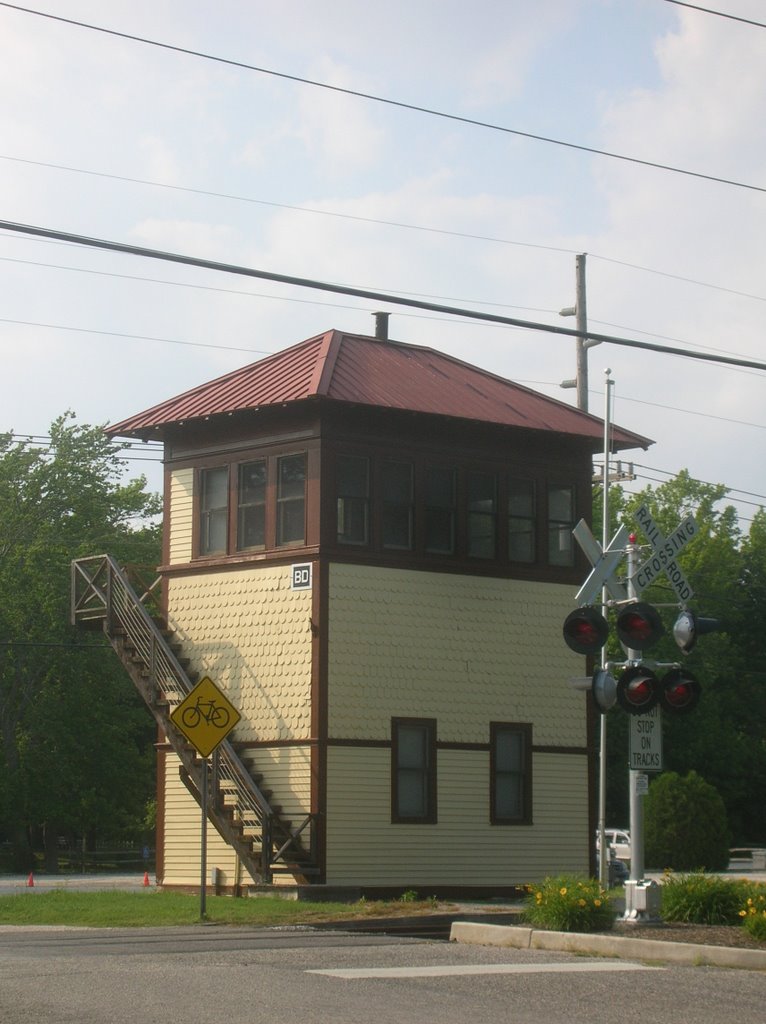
x=368, y=548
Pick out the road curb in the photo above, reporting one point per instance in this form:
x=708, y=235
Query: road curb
x=619, y=946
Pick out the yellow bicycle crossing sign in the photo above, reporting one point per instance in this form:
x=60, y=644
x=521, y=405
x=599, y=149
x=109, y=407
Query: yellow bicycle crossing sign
x=205, y=717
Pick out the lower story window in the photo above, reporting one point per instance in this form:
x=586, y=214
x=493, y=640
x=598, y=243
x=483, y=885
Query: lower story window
x=413, y=770
x=510, y=774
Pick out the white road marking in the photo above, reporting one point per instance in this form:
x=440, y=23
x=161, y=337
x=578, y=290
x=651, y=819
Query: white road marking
x=436, y=971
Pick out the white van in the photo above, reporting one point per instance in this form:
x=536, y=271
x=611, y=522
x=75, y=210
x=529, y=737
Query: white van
x=619, y=841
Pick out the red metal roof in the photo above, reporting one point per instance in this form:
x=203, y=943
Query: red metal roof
x=375, y=372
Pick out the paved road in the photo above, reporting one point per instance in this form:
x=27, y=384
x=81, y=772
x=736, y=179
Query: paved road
x=206, y=974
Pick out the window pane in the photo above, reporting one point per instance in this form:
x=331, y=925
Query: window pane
x=251, y=519
x=215, y=488
x=521, y=521
x=440, y=509
x=509, y=797
x=252, y=482
x=291, y=499
x=398, y=513
x=353, y=499
x=482, y=508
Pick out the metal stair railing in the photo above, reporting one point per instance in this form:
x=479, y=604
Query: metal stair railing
x=101, y=592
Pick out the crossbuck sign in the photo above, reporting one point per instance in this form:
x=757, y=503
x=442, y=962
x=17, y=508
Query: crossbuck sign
x=663, y=559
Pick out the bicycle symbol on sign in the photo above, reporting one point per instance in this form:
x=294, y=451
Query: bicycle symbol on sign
x=205, y=710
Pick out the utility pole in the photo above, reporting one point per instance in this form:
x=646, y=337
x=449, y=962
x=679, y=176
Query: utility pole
x=580, y=311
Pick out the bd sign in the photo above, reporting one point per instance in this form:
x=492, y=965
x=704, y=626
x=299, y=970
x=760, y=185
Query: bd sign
x=300, y=576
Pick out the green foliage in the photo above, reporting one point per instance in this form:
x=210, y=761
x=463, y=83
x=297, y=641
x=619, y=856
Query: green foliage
x=568, y=903
x=710, y=899
x=702, y=899
x=409, y=896
x=753, y=912
x=727, y=571
x=75, y=741
x=685, y=824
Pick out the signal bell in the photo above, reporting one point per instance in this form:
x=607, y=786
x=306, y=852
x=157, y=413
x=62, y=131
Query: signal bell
x=689, y=627
x=585, y=630
x=639, y=626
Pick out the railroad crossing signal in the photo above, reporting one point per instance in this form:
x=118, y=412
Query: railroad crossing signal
x=638, y=689
x=205, y=717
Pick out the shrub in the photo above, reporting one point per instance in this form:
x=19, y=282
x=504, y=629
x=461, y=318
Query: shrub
x=702, y=899
x=569, y=904
x=685, y=824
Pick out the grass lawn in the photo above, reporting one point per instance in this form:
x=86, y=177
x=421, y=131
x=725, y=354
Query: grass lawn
x=114, y=909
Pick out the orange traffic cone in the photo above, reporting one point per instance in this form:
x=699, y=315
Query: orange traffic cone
x=146, y=878
x=31, y=881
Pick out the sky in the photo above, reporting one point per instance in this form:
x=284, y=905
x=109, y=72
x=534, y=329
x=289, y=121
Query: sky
x=117, y=139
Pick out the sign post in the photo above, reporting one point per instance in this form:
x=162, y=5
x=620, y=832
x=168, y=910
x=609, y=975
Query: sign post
x=205, y=717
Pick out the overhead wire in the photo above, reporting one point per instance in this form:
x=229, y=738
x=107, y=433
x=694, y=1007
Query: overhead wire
x=312, y=283
x=402, y=225
x=399, y=104
x=718, y=14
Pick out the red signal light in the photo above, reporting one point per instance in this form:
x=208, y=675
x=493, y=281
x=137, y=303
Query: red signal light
x=639, y=626
x=638, y=690
x=680, y=692
x=585, y=630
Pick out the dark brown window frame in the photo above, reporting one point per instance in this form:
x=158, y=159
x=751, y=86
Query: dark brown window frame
x=505, y=473
x=431, y=814
x=232, y=465
x=525, y=730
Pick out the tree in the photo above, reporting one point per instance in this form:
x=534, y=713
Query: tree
x=685, y=824
x=70, y=731
x=724, y=737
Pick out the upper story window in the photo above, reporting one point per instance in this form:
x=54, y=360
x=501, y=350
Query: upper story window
x=440, y=509
x=353, y=484
x=522, y=521
x=489, y=516
x=291, y=500
x=482, y=514
x=398, y=513
x=214, y=510
x=251, y=505
x=561, y=507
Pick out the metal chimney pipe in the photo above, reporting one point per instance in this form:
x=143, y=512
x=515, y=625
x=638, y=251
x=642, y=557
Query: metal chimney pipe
x=381, y=326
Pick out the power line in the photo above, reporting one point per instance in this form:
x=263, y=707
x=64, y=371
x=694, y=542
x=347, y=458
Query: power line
x=378, y=221
x=302, y=282
x=718, y=14
x=400, y=104
x=210, y=194
x=707, y=483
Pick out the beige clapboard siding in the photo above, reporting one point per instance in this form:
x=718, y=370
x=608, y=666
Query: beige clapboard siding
x=183, y=833
x=181, y=521
x=251, y=634
x=286, y=771
x=462, y=848
x=466, y=650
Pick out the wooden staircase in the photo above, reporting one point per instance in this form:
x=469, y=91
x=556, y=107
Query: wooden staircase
x=266, y=842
